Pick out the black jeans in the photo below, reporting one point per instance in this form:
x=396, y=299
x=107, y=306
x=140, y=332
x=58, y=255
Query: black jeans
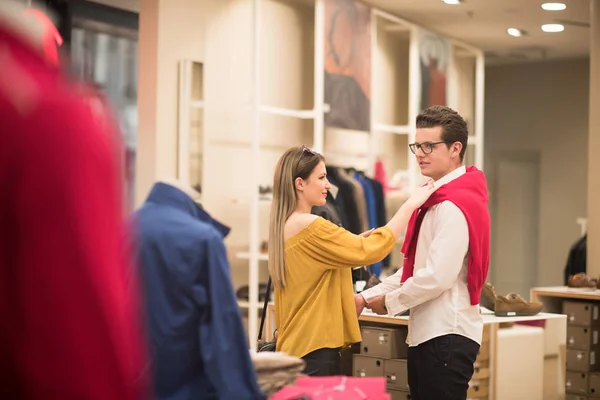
x=323, y=362
x=441, y=368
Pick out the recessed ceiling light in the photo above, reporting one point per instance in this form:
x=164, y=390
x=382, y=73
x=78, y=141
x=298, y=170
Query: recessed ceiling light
x=452, y=1
x=554, y=6
x=553, y=28
x=514, y=32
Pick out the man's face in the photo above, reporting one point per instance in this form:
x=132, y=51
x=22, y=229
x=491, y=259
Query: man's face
x=436, y=159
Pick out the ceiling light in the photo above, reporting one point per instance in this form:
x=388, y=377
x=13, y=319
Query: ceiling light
x=554, y=6
x=452, y=1
x=553, y=28
x=514, y=32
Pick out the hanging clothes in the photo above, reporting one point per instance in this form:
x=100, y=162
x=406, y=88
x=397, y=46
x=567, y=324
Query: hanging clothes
x=345, y=200
x=196, y=335
x=70, y=326
x=359, y=198
x=577, y=259
x=371, y=208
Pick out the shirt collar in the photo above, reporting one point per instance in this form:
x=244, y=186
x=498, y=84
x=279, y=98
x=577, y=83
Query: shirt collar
x=451, y=176
x=165, y=194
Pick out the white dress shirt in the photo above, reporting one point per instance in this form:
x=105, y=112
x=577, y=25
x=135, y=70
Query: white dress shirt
x=437, y=293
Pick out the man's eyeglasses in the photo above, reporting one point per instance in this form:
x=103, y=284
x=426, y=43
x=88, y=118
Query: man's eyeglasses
x=426, y=147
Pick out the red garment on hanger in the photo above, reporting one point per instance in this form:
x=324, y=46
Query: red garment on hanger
x=69, y=313
x=381, y=176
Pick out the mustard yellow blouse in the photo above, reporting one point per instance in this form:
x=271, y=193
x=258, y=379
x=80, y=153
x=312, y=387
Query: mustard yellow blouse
x=316, y=308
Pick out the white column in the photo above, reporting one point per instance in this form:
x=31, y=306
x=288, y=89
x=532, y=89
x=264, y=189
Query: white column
x=146, y=160
x=593, y=252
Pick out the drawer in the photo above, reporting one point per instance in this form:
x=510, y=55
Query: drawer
x=478, y=389
x=582, y=361
x=576, y=383
x=480, y=373
x=363, y=366
x=484, y=352
x=582, y=337
x=399, y=394
x=575, y=397
x=594, y=385
x=581, y=313
x=485, y=338
x=396, y=374
x=384, y=342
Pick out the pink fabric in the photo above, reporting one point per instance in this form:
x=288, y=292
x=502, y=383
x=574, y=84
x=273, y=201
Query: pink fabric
x=335, y=388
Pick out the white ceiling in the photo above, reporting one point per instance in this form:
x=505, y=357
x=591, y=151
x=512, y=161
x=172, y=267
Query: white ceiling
x=483, y=23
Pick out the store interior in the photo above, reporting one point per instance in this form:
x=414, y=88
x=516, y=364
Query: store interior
x=212, y=92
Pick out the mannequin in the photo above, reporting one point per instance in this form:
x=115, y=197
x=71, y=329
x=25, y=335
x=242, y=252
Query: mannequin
x=33, y=26
x=184, y=271
x=187, y=189
x=70, y=326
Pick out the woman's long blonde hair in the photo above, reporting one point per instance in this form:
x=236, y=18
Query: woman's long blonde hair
x=297, y=162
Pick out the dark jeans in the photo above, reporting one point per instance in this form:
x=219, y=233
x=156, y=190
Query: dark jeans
x=441, y=368
x=323, y=362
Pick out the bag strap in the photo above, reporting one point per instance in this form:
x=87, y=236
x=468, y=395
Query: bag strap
x=264, y=311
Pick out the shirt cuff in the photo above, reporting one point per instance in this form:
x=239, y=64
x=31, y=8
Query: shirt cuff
x=394, y=305
x=371, y=293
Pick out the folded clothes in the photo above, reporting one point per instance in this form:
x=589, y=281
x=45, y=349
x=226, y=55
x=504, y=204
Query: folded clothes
x=276, y=370
x=269, y=361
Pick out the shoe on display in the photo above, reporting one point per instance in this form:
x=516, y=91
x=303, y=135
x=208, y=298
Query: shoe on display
x=373, y=281
x=488, y=297
x=582, y=281
x=513, y=305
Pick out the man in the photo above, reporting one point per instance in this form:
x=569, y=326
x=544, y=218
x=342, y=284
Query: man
x=197, y=340
x=447, y=251
x=68, y=307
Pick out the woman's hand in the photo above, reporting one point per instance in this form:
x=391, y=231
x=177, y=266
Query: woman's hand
x=360, y=303
x=366, y=234
x=421, y=195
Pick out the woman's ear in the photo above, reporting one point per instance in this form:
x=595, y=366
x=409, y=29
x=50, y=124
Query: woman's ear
x=299, y=184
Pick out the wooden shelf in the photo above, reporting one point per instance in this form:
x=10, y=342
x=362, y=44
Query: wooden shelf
x=488, y=319
x=566, y=293
x=246, y=256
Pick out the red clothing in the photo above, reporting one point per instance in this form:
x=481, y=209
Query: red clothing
x=469, y=193
x=69, y=325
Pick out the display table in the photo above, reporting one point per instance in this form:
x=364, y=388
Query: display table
x=491, y=323
x=554, y=298
x=489, y=347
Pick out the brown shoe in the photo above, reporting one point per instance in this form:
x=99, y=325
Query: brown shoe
x=513, y=305
x=581, y=281
x=372, y=282
x=488, y=297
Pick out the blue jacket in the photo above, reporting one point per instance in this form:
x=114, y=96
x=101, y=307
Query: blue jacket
x=197, y=342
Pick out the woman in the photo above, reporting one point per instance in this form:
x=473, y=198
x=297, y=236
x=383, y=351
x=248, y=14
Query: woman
x=310, y=262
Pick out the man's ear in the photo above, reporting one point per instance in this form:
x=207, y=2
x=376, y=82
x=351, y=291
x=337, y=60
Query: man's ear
x=457, y=147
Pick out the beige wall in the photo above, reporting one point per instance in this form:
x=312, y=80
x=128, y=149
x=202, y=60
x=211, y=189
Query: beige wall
x=219, y=34
x=166, y=29
x=543, y=108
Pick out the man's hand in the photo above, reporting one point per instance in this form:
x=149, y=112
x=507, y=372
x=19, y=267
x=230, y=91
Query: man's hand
x=367, y=233
x=377, y=305
x=360, y=304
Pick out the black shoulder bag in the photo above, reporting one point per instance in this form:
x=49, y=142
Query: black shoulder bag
x=264, y=345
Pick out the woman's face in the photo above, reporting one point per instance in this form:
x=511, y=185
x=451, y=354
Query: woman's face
x=314, y=189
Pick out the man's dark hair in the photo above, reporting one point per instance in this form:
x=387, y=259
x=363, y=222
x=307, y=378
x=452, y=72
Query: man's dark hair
x=454, y=127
